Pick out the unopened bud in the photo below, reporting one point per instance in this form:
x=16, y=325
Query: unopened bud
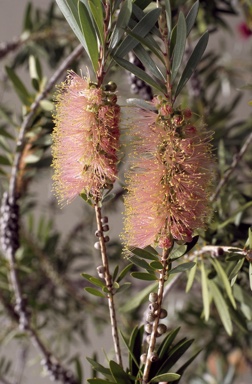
x=97, y=245
x=161, y=329
x=153, y=296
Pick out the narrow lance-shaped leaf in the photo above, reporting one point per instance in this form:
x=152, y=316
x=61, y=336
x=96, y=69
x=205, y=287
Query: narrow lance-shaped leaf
x=250, y=275
x=191, y=17
x=168, y=15
x=205, y=293
x=96, y=7
x=220, y=271
x=147, y=61
x=89, y=34
x=70, y=12
x=121, y=23
x=192, y=62
x=19, y=86
x=169, y=377
x=139, y=73
x=191, y=277
x=221, y=307
x=182, y=267
x=143, y=27
x=179, y=48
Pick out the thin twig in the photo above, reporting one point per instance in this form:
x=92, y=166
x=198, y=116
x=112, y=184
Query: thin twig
x=152, y=343
x=109, y=285
x=236, y=158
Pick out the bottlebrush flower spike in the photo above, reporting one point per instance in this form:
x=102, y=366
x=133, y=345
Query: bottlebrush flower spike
x=85, y=138
x=170, y=178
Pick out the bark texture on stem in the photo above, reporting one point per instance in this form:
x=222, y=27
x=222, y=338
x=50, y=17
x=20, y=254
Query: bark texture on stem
x=109, y=285
x=152, y=344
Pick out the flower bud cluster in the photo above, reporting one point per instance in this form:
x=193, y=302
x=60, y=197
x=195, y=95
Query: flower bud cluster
x=9, y=223
x=99, y=233
x=57, y=372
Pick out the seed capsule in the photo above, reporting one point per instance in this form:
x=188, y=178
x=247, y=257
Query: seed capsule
x=150, y=317
x=161, y=329
x=153, y=307
x=106, y=239
x=105, y=228
x=100, y=271
x=163, y=313
x=98, y=233
x=153, y=357
x=104, y=220
x=143, y=358
x=112, y=86
x=97, y=245
x=148, y=328
x=153, y=296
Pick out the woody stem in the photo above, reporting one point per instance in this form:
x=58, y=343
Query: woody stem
x=152, y=344
x=109, y=285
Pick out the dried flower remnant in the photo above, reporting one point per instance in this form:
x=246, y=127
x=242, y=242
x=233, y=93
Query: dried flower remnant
x=85, y=138
x=170, y=178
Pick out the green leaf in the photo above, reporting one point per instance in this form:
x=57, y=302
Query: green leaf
x=6, y=134
x=121, y=23
x=141, y=297
x=141, y=104
x=205, y=292
x=168, y=15
x=7, y=118
x=222, y=274
x=234, y=272
x=156, y=265
x=221, y=307
x=250, y=275
x=94, y=292
x=165, y=376
x=167, y=342
x=144, y=276
x=123, y=288
x=70, y=12
x=99, y=368
x=179, y=48
x=19, y=86
x=178, y=252
x=124, y=272
x=182, y=267
x=175, y=354
x=147, y=42
x=96, y=7
x=115, y=273
x=191, y=277
x=89, y=34
x=35, y=72
x=4, y=160
x=147, y=61
x=133, y=364
x=192, y=62
x=182, y=369
x=139, y=73
x=144, y=253
x=100, y=381
x=118, y=373
x=143, y=27
x=140, y=263
x=191, y=17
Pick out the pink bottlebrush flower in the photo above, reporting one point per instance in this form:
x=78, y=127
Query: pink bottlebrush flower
x=169, y=181
x=85, y=139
